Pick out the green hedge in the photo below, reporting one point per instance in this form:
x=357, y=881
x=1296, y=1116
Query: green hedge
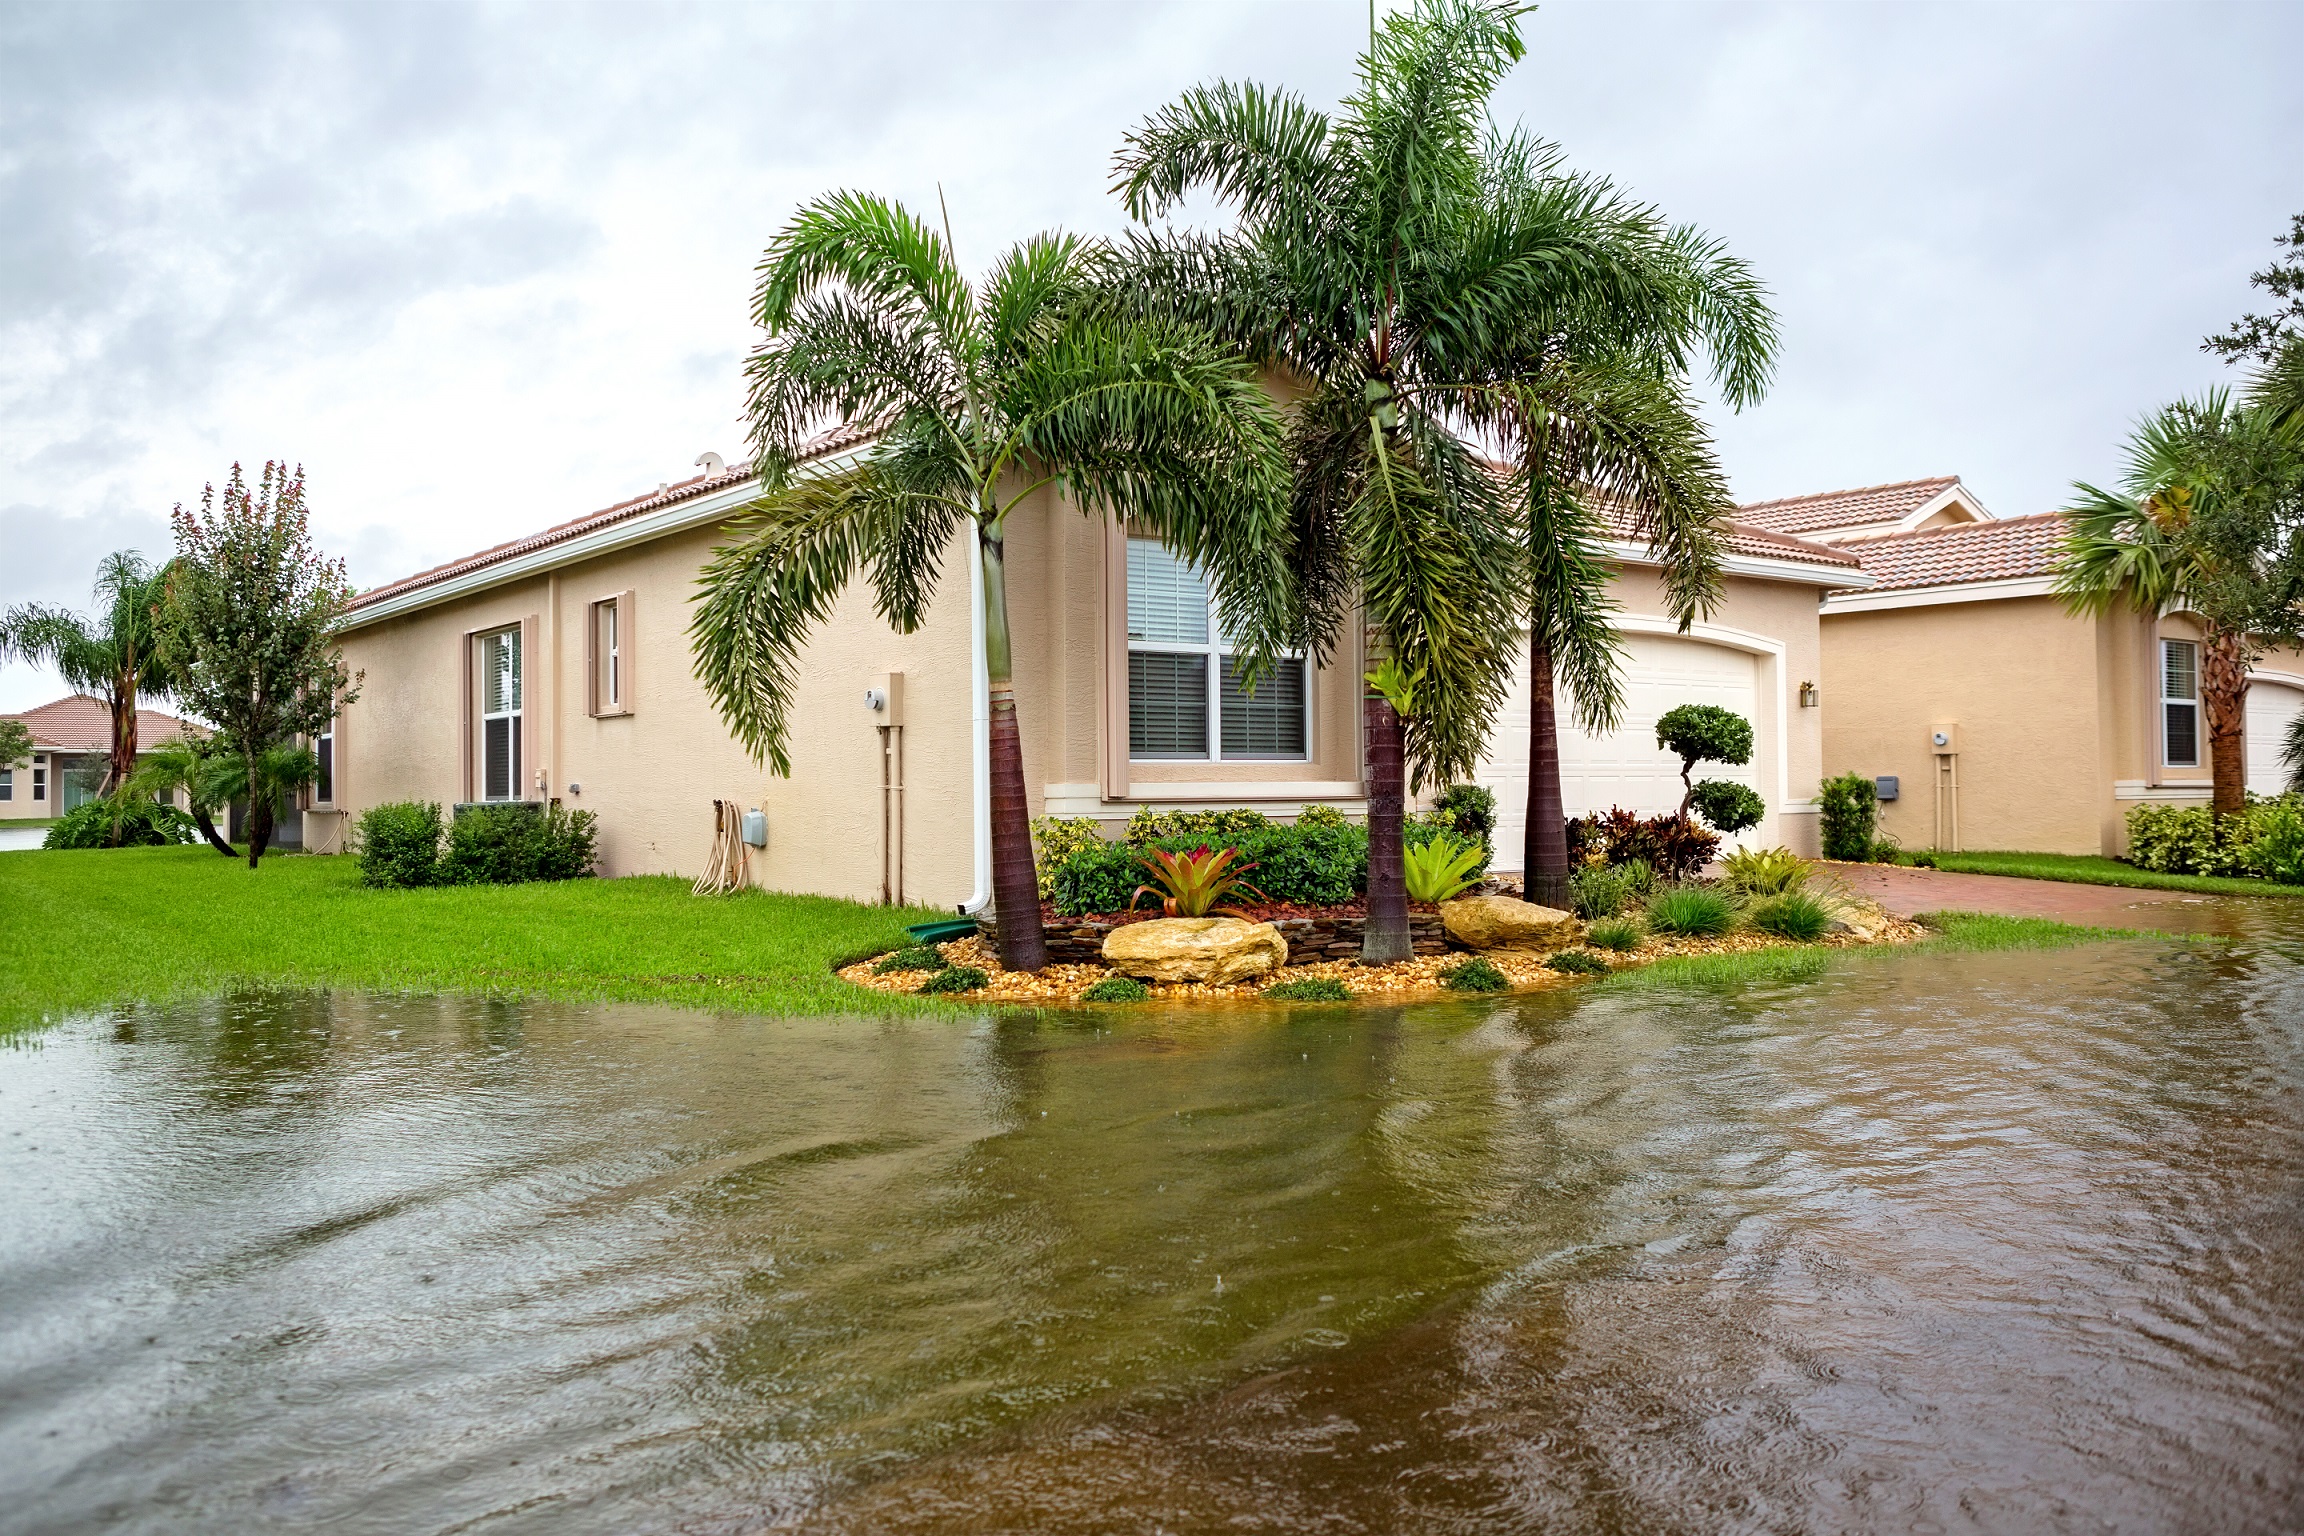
x=1850, y=806
x=2264, y=842
x=509, y=844
x=1317, y=866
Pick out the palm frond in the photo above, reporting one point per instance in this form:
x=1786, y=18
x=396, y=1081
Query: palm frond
x=1262, y=151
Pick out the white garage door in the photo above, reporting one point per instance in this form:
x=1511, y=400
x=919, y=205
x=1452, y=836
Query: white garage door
x=2270, y=707
x=1625, y=767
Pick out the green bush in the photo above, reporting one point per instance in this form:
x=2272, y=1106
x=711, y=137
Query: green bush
x=1469, y=811
x=915, y=957
x=1321, y=816
x=516, y=842
x=398, y=844
x=1477, y=974
x=1766, y=871
x=140, y=823
x=1729, y=807
x=1598, y=891
x=1117, y=989
x=1704, y=733
x=956, y=978
x=2277, y=850
x=1057, y=838
x=1794, y=915
x=1315, y=866
x=1621, y=934
x=1851, y=810
x=1311, y=989
x=1577, y=962
x=1218, y=829
x=2194, y=840
x=1691, y=912
x=1671, y=846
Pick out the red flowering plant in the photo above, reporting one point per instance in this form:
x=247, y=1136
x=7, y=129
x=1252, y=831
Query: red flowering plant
x=1191, y=884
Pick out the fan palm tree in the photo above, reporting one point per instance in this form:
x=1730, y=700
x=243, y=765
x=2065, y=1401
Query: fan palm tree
x=975, y=398
x=1430, y=285
x=110, y=655
x=2206, y=518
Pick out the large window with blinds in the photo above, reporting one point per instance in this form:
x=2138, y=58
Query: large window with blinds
x=1185, y=699
x=2180, y=703
x=500, y=715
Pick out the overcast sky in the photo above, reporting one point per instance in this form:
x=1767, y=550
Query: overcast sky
x=484, y=269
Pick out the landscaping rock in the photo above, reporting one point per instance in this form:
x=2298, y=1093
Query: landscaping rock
x=1867, y=920
x=1506, y=922
x=1218, y=950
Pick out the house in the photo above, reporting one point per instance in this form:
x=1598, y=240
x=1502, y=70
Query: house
x=1990, y=715
x=556, y=667
x=71, y=752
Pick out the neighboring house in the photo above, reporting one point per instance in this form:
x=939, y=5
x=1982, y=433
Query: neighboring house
x=2053, y=726
x=71, y=751
x=558, y=667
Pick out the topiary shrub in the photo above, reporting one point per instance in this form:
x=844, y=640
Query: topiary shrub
x=1477, y=974
x=1727, y=806
x=1691, y=912
x=1706, y=733
x=519, y=841
x=1621, y=934
x=1671, y=846
x=1577, y=962
x=915, y=957
x=398, y=844
x=1850, y=812
x=1117, y=989
x=1309, y=989
x=109, y=823
x=1795, y=915
x=956, y=978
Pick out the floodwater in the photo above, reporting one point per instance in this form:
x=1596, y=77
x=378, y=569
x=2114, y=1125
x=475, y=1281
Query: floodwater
x=1982, y=1243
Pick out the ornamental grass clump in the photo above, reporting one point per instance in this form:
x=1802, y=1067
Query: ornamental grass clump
x=914, y=957
x=1691, y=912
x=1477, y=974
x=1577, y=962
x=1795, y=915
x=956, y=978
x=1117, y=989
x=1621, y=934
x=1310, y=989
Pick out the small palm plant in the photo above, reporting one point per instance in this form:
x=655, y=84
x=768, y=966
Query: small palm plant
x=1191, y=885
x=1442, y=867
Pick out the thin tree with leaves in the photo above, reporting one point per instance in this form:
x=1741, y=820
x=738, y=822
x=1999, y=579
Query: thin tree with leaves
x=111, y=654
x=975, y=398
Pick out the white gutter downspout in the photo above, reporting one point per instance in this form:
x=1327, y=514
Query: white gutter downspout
x=980, y=725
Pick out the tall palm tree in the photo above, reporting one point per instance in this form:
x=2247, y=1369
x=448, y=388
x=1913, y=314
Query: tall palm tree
x=975, y=398
x=2206, y=518
x=109, y=654
x=1436, y=290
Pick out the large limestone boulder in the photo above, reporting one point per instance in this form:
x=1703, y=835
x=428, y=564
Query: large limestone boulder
x=1506, y=922
x=1867, y=920
x=1211, y=949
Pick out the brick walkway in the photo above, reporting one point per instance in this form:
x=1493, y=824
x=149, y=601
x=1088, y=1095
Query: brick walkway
x=1909, y=891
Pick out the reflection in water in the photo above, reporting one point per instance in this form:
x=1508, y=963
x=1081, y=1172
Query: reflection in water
x=1993, y=1242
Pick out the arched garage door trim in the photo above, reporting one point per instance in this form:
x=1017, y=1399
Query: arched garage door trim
x=2282, y=680
x=1771, y=684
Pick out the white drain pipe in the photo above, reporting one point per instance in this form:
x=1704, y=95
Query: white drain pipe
x=980, y=725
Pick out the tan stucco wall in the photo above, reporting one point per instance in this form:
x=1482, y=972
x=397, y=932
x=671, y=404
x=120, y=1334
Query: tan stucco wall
x=20, y=806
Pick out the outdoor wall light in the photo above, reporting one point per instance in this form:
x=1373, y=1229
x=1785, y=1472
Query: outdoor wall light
x=1809, y=697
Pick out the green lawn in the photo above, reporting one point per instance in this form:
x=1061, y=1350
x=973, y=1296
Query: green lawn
x=2088, y=869
x=1955, y=932
x=85, y=929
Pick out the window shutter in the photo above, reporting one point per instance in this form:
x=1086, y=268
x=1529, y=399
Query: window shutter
x=627, y=628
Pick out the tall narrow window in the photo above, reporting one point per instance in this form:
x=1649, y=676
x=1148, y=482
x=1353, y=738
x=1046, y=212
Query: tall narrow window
x=39, y=778
x=2180, y=703
x=608, y=646
x=1185, y=698
x=7, y=783
x=500, y=715
x=324, y=787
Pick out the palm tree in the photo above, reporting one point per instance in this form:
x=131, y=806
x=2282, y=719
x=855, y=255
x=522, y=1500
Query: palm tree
x=1430, y=286
x=110, y=655
x=2205, y=519
x=207, y=777
x=974, y=398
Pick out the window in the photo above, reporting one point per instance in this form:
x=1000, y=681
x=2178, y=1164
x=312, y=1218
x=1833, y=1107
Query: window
x=39, y=778
x=500, y=715
x=1176, y=646
x=7, y=783
x=2180, y=703
x=611, y=649
x=324, y=787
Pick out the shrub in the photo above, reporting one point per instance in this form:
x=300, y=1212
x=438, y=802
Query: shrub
x=1577, y=962
x=1117, y=989
x=1691, y=912
x=1321, y=816
x=955, y=978
x=1639, y=877
x=399, y=844
x=1728, y=806
x=2190, y=840
x=1215, y=828
x=1597, y=891
x=1766, y=871
x=1672, y=846
x=915, y=957
x=1477, y=974
x=1704, y=733
x=1794, y=915
x=1469, y=811
x=1618, y=933
x=2277, y=850
x=518, y=841
x=1319, y=865
x=1441, y=867
x=140, y=824
x=1310, y=989
x=1851, y=810
x=1057, y=838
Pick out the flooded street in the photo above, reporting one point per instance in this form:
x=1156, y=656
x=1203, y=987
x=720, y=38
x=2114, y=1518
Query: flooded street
x=2007, y=1242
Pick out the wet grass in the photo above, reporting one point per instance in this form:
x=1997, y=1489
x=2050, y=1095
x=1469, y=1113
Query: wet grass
x=88, y=929
x=2089, y=869
x=1954, y=932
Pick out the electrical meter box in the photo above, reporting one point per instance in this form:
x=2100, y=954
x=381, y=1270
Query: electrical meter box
x=756, y=828
x=1944, y=740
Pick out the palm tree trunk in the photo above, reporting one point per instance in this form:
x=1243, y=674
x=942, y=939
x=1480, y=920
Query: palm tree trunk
x=207, y=826
x=1386, y=938
x=1015, y=885
x=259, y=815
x=1544, y=856
x=123, y=734
x=2224, y=700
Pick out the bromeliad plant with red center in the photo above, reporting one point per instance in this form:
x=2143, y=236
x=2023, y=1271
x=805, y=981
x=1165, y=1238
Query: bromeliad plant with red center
x=1191, y=885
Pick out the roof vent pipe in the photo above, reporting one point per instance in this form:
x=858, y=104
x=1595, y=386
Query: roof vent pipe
x=713, y=464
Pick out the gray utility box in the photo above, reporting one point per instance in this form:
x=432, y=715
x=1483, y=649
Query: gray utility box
x=1884, y=787
x=756, y=828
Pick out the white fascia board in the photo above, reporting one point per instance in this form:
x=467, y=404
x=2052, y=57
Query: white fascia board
x=1956, y=491
x=1758, y=567
x=1950, y=592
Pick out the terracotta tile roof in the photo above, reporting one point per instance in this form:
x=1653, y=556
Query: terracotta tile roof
x=2008, y=550
x=1744, y=539
x=1845, y=509
x=78, y=723
x=822, y=444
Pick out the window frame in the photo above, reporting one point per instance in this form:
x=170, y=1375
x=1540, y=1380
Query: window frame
x=608, y=656
x=8, y=783
x=324, y=783
x=513, y=717
x=40, y=780
x=2169, y=702
x=1216, y=653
